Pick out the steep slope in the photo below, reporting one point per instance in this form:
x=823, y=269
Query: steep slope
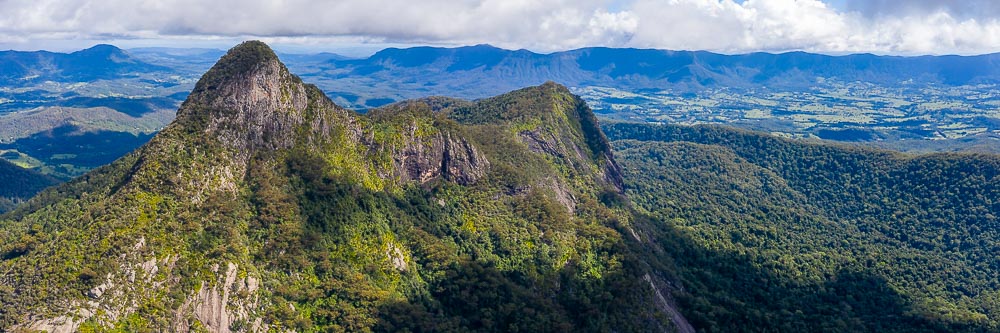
x=266, y=206
x=772, y=234
x=18, y=184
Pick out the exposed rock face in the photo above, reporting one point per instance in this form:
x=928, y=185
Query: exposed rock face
x=61, y=324
x=544, y=142
x=445, y=155
x=612, y=172
x=116, y=297
x=461, y=162
x=554, y=122
x=253, y=103
x=217, y=308
x=668, y=306
x=426, y=150
x=547, y=143
x=260, y=109
x=249, y=192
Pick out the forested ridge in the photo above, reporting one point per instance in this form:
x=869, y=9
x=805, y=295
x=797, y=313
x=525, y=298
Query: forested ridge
x=18, y=184
x=264, y=206
x=772, y=234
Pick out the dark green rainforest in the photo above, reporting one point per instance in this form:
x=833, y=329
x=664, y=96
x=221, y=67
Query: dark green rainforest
x=265, y=207
x=770, y=234
x=20, y=184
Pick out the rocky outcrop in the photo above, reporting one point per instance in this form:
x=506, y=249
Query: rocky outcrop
x=250, y=102
x=461, y=161
x=612, y=172
x=246, y=185
x=118, y=296
x=443, y=154
x=260, y=109
x=217, y=308
x=667, y=306
x=61, y=324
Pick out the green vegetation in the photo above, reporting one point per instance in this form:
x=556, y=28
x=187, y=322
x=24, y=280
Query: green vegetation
x=265, y=207
x=910, y=118
x=772, y=234
x=18, y=184
x=311, y=220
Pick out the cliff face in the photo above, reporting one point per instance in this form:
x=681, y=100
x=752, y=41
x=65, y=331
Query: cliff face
x=266, y=206
x=442, y=156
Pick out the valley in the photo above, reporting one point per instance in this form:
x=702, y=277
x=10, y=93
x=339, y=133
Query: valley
x=923, y=104
x=459, y=166
x=794, y=236
x=908, y=119
x=258, y=202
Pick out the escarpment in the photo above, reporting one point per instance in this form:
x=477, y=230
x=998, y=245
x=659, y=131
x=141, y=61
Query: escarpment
x=266, y=207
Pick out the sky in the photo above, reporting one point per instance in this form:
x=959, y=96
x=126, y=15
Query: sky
x=360, y=27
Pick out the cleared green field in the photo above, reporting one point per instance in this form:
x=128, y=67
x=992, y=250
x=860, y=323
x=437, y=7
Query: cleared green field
x=905, y=118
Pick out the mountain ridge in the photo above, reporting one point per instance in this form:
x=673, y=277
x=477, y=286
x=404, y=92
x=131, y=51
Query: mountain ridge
x=101, y=61
x=480, y=71
x=19, y=185
x=266, y=206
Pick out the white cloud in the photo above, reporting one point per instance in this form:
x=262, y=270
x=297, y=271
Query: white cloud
x=961, y=9
x=811, y=25
x=881, y=26
x=551, y=24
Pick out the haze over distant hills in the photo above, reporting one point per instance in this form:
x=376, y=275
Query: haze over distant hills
x=930, y=103
x=423, y=70
x=101, y=62
x=265, y=206
x=638, y=69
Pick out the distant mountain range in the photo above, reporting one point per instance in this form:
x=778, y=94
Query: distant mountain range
x=264, y=206
x=482, y=70
x=96, y=63
x=864, y=97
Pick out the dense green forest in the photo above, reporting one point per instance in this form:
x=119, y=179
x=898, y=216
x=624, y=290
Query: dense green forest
x=264, y=206
x=771, y=234
x=18, y=184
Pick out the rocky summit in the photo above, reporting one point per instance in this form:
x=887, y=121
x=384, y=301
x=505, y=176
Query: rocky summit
x=266, y=207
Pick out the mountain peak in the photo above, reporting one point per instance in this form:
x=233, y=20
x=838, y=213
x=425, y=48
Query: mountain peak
x=551, y=120
x=248, y=54
x=240, y=62
x=102, y=49
x=261, y=183
x=250, y=101
x=102, y=55
x=554, y=87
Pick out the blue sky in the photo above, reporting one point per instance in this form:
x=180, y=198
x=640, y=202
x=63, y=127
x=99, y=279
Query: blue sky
x=358, y=27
